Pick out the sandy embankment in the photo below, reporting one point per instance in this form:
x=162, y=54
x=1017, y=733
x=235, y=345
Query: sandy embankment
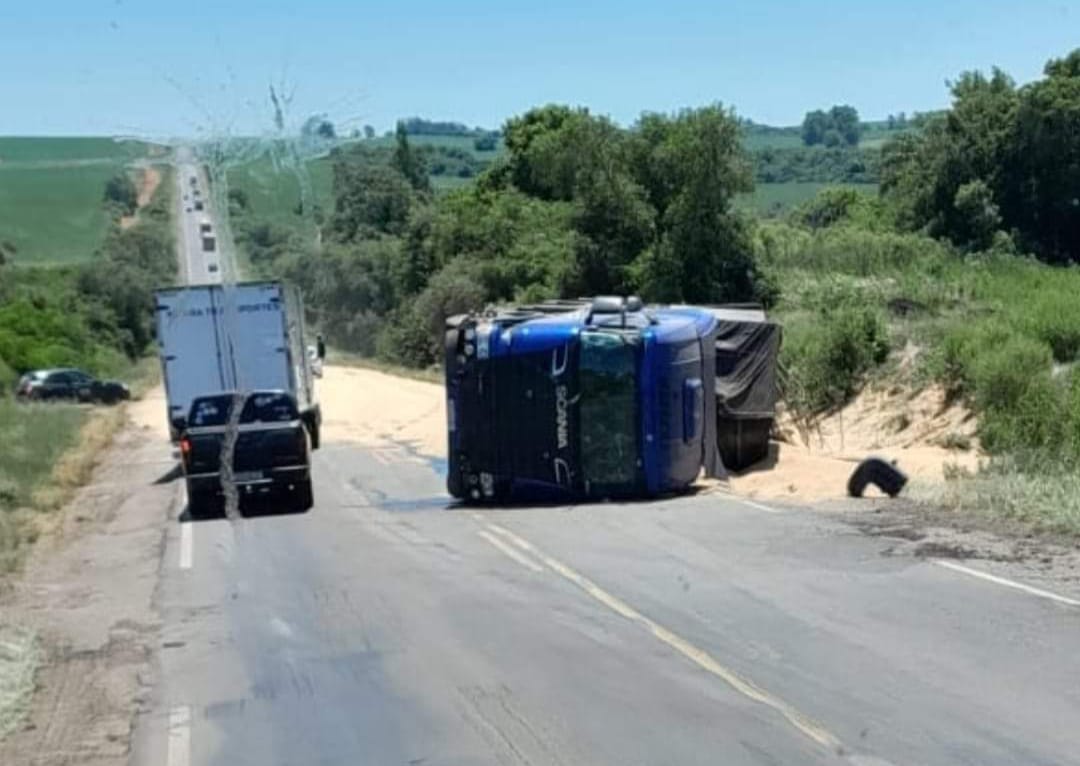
x=373, y=408
x=908, y=427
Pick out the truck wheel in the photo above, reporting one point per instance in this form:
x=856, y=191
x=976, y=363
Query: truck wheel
x=887, y=477
x=303, y=496
x=200, y=503
x=314, y=435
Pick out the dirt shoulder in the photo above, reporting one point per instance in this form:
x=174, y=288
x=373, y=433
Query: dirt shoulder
x=86, y=598
x=149, y=180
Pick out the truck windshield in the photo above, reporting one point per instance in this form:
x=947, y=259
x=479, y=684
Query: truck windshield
x=607, y=373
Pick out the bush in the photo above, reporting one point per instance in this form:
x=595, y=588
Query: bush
x=825, y=356
x=414, y=337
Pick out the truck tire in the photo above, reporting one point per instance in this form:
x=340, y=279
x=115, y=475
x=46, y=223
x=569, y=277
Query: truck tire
x=881, y=473
x=200, y=503
x=303, y=496
x=314, y=433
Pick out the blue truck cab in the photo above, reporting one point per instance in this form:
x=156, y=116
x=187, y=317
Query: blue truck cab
x=580, y=400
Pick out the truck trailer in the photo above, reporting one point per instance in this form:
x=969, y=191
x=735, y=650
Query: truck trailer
x=233, y=337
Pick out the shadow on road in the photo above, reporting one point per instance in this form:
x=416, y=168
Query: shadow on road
x=170, y=476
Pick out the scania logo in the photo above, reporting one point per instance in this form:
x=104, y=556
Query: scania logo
x=562, y=417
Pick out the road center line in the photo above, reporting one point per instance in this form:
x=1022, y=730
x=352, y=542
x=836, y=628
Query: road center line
x=1007, y=583
x=524, y=561
x=699, y=657
x=179, y=748
x=186, y=546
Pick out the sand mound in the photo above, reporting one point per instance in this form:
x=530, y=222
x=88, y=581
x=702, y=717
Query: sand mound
x=918, y=429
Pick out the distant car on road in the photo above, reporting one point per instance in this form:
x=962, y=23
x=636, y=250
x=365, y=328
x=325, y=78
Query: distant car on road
x=212, y=268
x=198, y=204
x=69, y=384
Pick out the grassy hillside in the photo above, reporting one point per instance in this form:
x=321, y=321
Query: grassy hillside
x=51, y=194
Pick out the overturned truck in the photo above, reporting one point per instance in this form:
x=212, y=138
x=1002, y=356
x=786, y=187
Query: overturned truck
x=588, y=399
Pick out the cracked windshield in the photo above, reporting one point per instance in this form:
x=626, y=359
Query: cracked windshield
x=539, y=384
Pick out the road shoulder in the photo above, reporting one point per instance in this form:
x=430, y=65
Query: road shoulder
x=88, y=595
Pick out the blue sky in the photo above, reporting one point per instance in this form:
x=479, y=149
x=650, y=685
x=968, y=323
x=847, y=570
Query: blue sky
x=205, y=66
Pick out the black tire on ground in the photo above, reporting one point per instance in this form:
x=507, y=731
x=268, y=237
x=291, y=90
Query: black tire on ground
x=314, y=433
x=881, y=473
x=303, y=496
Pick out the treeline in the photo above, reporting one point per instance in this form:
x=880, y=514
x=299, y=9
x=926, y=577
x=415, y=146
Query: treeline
x=1003, y=162
x=817, y=164
x=577, y=206
x=417, y=126
x=98, y=315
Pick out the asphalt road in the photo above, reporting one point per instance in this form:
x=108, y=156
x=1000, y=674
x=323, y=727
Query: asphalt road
x=198, y=266
x=386, y=626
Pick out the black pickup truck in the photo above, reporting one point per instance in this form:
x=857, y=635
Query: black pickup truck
x=272, y=452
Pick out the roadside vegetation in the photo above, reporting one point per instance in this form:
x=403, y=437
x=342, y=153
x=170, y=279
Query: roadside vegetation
x=97, y=315
x=953, y=243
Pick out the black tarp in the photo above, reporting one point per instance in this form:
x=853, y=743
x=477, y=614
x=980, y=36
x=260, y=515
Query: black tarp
x=747, y=344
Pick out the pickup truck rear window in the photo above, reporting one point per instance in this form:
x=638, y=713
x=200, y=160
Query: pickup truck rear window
x=270, y=407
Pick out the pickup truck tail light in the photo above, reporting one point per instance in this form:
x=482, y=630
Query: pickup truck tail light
x=185, y=448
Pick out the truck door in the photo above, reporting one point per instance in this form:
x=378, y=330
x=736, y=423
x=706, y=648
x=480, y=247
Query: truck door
x=253, y=322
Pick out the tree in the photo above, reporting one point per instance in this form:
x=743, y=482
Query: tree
x=120, y=190
x=922, y=175
x=839, y=126
x=1040, y=194
x=487, y=142
x=319, y=127
x=370, y=200
x=694, y=167
x=369, y=132
x=410, y=163
x=814, y=126
x=844, y=120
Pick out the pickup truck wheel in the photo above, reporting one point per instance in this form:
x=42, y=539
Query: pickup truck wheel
x=303, y=496
x=200, y=504
x=314, y=435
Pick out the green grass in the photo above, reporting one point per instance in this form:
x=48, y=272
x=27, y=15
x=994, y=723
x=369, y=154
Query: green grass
x=34, y=436
x=769, y=199
x=51, y=194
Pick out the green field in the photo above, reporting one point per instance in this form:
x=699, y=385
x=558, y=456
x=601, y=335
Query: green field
x=51, y=194
x=770, y=199
x=452, y=142
x=274, y=192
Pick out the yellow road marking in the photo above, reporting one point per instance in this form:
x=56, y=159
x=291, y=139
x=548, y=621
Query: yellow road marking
x=699, y=657
x=525, y=562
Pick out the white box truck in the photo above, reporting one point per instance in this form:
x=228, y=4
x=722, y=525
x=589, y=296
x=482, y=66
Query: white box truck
x=243, y=337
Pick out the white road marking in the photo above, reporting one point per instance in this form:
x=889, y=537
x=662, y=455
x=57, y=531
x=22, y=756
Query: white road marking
x=1008, y=583
x=186, y=546
x=179, y=750
x=519, y=558
x=759, y=506
x=700, y=657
